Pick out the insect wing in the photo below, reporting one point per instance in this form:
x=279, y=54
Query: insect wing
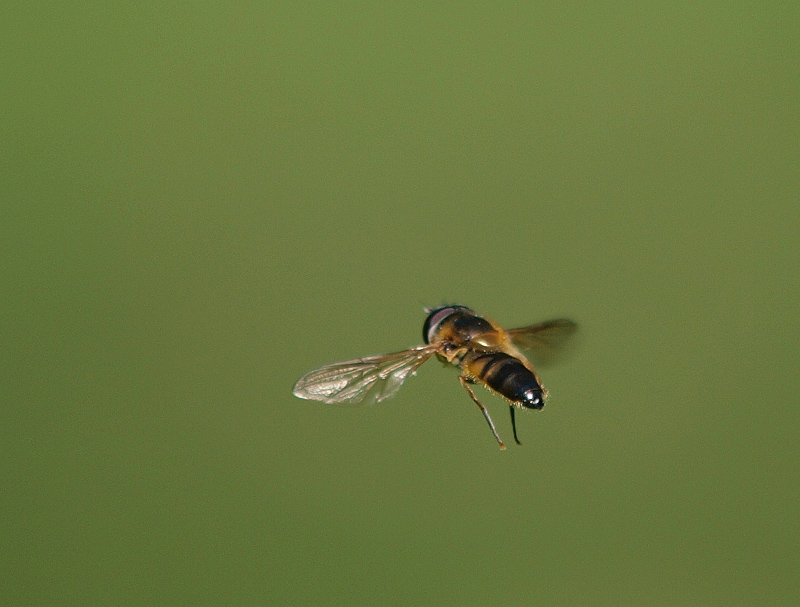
x=363, y=380
x=545, y=341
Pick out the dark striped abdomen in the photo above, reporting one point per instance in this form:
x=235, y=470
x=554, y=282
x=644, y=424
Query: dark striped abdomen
x=506, y=375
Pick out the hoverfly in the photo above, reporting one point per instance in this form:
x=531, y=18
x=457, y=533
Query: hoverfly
x=484, y=352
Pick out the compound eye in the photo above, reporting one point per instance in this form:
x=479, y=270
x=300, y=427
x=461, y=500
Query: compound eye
x=435, y=319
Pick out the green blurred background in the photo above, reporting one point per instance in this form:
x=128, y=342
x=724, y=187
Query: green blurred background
x=202, y=201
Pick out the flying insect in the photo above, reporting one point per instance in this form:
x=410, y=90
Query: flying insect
x=482, y=350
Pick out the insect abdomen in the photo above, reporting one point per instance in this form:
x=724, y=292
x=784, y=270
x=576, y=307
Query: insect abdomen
x=507, y=376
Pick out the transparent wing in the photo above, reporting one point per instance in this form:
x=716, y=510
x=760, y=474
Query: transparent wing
x=363, y=380
x=545, y=342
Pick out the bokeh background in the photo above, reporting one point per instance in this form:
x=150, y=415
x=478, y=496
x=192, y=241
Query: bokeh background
x=202, y=201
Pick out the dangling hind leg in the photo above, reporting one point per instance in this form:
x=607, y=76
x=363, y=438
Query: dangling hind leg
x=514, y=424
x=467, y=387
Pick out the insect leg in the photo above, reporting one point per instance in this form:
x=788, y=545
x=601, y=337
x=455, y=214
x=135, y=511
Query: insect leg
x=485, y=411
x=514, y=424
